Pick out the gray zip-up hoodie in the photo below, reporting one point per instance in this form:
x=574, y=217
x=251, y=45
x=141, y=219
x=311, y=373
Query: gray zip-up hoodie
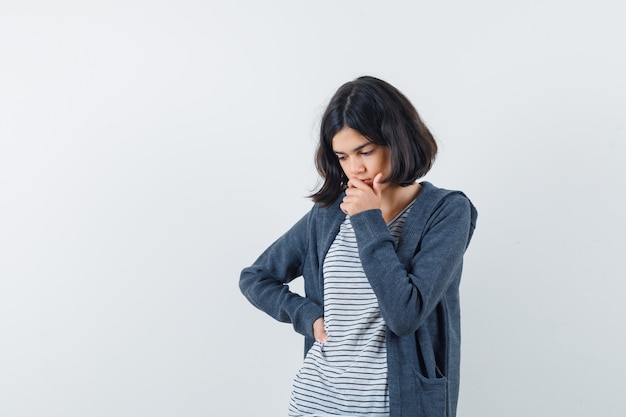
x=416, y=284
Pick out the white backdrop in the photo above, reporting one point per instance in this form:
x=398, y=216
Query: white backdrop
x=149, y=150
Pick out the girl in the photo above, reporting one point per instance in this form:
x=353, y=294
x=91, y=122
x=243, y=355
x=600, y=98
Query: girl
x=381, y=257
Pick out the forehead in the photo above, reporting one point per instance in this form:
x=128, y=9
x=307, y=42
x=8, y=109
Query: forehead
x=348, y=139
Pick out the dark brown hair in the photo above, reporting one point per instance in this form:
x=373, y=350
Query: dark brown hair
x=382, y=114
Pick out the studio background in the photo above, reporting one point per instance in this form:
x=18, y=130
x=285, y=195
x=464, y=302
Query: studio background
x=149, y=150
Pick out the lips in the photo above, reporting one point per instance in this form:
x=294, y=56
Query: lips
x=367, y=181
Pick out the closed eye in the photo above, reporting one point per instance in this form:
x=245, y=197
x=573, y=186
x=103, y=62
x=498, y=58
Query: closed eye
x=341, y=156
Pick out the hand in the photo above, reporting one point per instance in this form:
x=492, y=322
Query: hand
x=361, y=197
x=318, y=330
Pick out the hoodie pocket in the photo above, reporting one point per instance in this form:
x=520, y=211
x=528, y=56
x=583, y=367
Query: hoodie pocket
x=432, y=395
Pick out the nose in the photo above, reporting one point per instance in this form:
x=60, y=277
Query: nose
x=356, y=166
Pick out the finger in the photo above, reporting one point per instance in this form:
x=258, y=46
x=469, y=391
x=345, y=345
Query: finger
x=376, y=183
x=352, y=191
x=356, y=183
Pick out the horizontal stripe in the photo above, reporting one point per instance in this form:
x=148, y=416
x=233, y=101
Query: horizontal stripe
x=347, y=375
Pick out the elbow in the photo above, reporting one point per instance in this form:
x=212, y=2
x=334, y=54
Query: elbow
x=242, y=286
x=245, y=282
x=402, y=327
x=406, y=317
x=242, y=280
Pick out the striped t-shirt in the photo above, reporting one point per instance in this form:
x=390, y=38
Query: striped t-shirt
x=347, y=375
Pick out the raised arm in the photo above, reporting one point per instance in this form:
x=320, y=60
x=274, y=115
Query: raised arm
x=407, y=295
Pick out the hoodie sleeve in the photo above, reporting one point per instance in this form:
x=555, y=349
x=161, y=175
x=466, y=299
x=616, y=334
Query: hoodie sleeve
x=265, y=282
x=407, y=297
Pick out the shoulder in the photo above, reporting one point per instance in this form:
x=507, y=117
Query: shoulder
x=434, y=195
x=331, y=210
x=436, y=199
x=451, y=204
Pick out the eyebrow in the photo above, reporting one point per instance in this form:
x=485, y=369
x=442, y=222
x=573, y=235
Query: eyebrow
x=358, y=148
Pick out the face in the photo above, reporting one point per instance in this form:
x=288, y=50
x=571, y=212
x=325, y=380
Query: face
x=360, y=158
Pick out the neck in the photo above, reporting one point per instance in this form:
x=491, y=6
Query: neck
x=396, y=198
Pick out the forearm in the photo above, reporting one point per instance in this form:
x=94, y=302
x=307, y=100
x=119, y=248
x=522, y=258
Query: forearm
x=408, y=292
